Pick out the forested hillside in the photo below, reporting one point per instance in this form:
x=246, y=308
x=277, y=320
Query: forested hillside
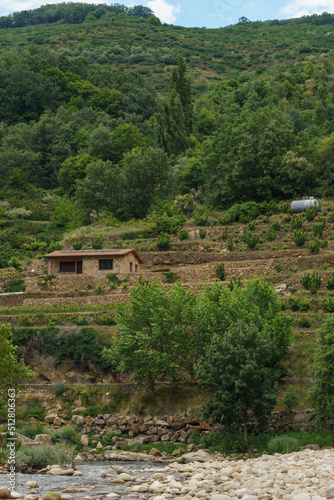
x=108, y=114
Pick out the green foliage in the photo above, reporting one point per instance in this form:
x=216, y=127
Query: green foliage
x=322, y=391
x=183, y=235
x=31, y=430
x=329, y=283
x=45, y=281
x=296, y=222
x=224, y=235
x=299, y=304
x=69, y=433
x=12, y=371
x=230, y=245
x=310, y=213
x=171, y=277
x=299, y=237
x=291, y=399
x=314, y=247
x=97, y=242
x=77, y=245
x=251, y=239
x=33, y=408
x=202, y=234
x=15, y=262
x=318, y=229
x=163, y=241
x=271, y=235
x=79, y=320
x=283, y=444
x=304, y=322
x=311, y=283
x=170, y=225
x=276, y=225
x=59, y=389
x=220, y=271
x=14, y=286
x=278, y=267
x=99, y=289
x=105, y=319
x=328, y=304
x=26, y=321
x=107, y=438
x=38, y=457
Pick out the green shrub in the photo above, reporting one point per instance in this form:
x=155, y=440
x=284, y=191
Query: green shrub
x=53, y=320
x=31, y=430
x=314, y=247
x=296, y=222
x=305, y=322
x=318, y=229
x=220, y=271
x=105, y=319
x=38, y=457
x=79, y=320
x=107, y=438
x=310, y=213
x=230, y=245
x=283, y=444
x=16, y=263
x=113, y=278
x=202, y=234
x=99, y=289
x=323, y=243
x=276, y=225
x=271, y=235
x=299, y=305
x=14, y=286
x=251, y=239
x=311, y=283
x=77, y=245
x=183, y=235
x=251, y=226
x=291, y=399
x=97, y=242
x=169, y=225
x=59, y=389
x=278, y=267
x=171, y=277
x=299, y=237
x=329, y=283
x=328, y=304
x=287, y=219
x=224, y=235
x=163, y=241
x=234, y=282
x=26, y=321
x=119, y=244
x=68, y=433
x=34, y=409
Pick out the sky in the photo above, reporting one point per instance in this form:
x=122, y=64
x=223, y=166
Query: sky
x=211, y=13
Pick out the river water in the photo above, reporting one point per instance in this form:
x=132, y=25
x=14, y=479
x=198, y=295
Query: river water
x=91, y=478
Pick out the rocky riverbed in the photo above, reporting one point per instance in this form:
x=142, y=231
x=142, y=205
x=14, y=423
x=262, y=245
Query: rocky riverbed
x=304, y=475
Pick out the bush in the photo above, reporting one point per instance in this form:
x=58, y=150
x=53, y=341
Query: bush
x=163, y=241
x=311, y=283
x=251, y=239
x=59, y=389
x=202, y=234
x=79, y=320
x=34, y=409
x=68, y=433
x=99, y=289
x=296, y=222
x=291, y=399
x=318, y=229
x=304, y=322
x=230, y=245
x=314, y=247
x=119, y=244
x=328, y=304
x=329, y=283
x=77, y=245
x=278, y=267
x=283, y=444
x=183, y=234
x=171, y=277
x=96, y=242
x=299, y=305
x=31, y=430
x=276, y=225
x=220, y=271
x=14, y=286
x=113, y=278
x=107, y=438
x=26, y=321
x=169, y=225
x=224, y=235
x=299, y=237
x=105, y=319
x=38, y=457
x=271, y=235
x=310, y=213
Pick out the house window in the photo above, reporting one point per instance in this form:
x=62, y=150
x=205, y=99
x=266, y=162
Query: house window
x=136, y=268
x=105, y=264
x=131, y=267
x=67, y=267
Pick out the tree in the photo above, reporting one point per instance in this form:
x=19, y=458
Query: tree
x=322, y=391
x=239, y=370
x=73, y=169
x=12, y=371
x=180, y=83
x=156, y=336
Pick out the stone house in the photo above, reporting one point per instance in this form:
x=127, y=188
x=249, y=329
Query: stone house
x=94, y=262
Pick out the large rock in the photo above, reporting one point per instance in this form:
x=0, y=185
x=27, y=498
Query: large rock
x=49, y=419
x=51, y=495
x=43, y=439
x=195, y=456
x=84, y=440
x=31, y=484
x=330, y=491
x=4, y=492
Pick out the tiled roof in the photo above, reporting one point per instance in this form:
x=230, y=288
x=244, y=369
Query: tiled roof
x=104, y=252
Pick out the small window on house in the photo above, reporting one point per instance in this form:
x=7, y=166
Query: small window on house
x=136, y=268
x=131, y=267
x=105, y=264
x=67, y=267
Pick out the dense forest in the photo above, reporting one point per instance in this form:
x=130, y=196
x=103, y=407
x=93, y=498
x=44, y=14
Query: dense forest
x=105, y=113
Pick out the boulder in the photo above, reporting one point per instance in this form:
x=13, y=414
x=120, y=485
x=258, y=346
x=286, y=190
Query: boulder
x=49, y=419
x=58, y=421
x=4, y=492
x=195, y=456
x=51, y=495
x=330, y=491
x=31, y=484
x=84, y=440
x=43, y=438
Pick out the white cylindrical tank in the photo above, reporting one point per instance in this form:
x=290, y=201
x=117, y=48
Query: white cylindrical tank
x=301, y=205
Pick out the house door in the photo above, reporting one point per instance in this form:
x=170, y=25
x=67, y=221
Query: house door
x=79, y=267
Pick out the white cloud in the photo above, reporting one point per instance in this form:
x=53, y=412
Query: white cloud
x=299, y=8
x=166, y=12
